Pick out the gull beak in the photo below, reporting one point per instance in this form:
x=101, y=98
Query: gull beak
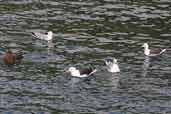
x=66, y=71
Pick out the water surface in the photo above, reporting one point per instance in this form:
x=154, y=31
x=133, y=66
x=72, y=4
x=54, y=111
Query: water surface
x=86, y=33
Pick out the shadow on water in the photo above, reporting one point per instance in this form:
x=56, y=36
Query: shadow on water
x=85, y=32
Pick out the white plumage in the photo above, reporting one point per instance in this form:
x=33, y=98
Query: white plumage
x=48, y=37
x=112, y=66
x=152, y=52
x=81, y=73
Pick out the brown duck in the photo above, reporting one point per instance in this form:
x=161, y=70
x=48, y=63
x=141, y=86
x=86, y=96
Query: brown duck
x=11, y=58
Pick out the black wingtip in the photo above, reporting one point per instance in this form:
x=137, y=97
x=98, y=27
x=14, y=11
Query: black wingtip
x=32, y=33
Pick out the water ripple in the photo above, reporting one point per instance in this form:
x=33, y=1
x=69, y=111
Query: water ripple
x=85, y=33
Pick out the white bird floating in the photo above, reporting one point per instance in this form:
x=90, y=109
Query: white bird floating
x=82, y=72
x=112, y=66
x=152, y=52
x=48, y=37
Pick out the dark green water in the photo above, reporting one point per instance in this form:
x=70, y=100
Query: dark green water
x=86, y=32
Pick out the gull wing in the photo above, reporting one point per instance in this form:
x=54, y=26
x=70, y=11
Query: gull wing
x=40, y=35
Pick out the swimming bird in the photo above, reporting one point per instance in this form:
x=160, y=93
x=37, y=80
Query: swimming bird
x=48, y=37
x=82, y=72
x=152, y=52
x=112, y=66
x=11, y=58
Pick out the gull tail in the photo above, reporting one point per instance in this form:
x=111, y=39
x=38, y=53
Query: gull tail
x=95, y=70
x=163, y=50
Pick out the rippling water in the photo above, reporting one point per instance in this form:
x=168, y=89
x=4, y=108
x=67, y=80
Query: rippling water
x=86, y=32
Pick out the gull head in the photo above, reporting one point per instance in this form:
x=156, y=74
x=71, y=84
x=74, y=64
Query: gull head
x=72, y=69
x=49, y=35
x=145, y=45
x=115, y=60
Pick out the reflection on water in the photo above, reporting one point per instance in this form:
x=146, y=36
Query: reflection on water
x=74, y=82
x=145, y=66
x=85, y=32
x=115, y=81
x=50, y=45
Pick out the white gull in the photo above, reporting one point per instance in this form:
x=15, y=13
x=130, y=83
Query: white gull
x=48, y=37
x=112, y=66
x=152, y=52
x=82, y=72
